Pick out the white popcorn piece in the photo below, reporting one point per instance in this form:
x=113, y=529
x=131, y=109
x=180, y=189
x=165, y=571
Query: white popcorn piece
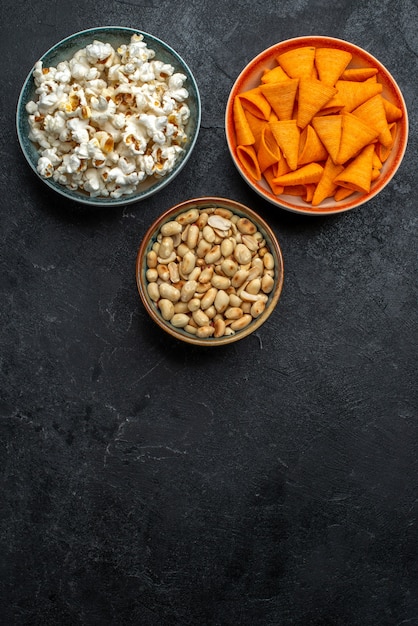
x=63, y=73
x=126, y=165
x=99, y=53
x=41, y=74
x=118, y=192
x=38, y=137
x=79, y=130
x=71, y=163
x=121, y=179
x=45, y=167
x=60, y=178
x=175, y=86
x=162, y=70
x=102, y=109
x=154, y=126
x=47, y=103
x=95, y=86
x=93, y=183
x=52, y=156
x=136, y=49
x=107, y=119
x=31, y=107
x=146, y=164
x=55, y=124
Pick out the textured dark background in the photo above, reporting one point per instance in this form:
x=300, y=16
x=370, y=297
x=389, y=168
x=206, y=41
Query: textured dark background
x=270, y=483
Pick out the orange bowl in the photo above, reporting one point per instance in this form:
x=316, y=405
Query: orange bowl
x=250, y=77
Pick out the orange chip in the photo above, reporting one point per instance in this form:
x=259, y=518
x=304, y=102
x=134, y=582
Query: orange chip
x=393, y=113
x=281, y=97
x=256, y=124
x=358, y=173
x=330, y=63
x=351, y=94
x=268, y=150
x=326, y=186
x=359, y=73
x=329, y=110
x=243, y=132
x=377, y=163
x=373, y=112
x=270, y=174
x=295, y=190
x=315, y=73
x=298, y=62
x=313, y=95
x=355, y=134
x=275, y=75
x=342, y=193
x=375, y=174
x=254, y=101
x=281, y=167
x=329, y=129
x=248, y=158
x=311, y=147
x=309, y=192
x=384, y=151
x=310, y=173
x=287, y=134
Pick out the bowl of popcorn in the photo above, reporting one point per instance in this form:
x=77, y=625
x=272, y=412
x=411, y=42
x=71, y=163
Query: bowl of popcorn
x=108, y=116
x=209, y=271
x=316, y=125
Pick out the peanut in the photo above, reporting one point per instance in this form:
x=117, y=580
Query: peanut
x=169, y=292
x=166, y=247
x=180, y=320
x=242, y=322
x=209, y=298
x=171, y=228
x=166, y=307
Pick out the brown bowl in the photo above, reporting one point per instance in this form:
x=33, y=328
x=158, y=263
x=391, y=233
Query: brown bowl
x=222, y=325
x=250, y=77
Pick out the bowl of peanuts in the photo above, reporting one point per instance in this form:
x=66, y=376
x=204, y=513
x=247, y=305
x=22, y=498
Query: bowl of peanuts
x=209, y=271
x=108, y=116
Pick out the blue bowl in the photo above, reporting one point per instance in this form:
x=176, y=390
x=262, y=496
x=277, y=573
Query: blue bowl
x=64, y=50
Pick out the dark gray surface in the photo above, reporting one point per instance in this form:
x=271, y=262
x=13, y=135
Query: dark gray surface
x=145, y=482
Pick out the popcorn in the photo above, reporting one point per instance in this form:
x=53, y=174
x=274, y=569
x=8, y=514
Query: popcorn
x=107, y=119
x=63, y=73
x=52, y=156
x=98, y=52
x=45, y=167
x=102, y=109
x=47, y=103
x=94, y=184
x=175, y=86
x=55, y=125
x=79, y=130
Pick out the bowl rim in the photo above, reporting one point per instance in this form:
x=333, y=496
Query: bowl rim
x=154, y=187
x=357, y=199
x=207, y=201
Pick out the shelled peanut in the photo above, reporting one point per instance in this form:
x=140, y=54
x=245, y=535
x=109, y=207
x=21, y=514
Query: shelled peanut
x=210, y=272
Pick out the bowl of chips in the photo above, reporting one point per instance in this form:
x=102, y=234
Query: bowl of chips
x=316, y=125
x=209, y=271
x=108, y=116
